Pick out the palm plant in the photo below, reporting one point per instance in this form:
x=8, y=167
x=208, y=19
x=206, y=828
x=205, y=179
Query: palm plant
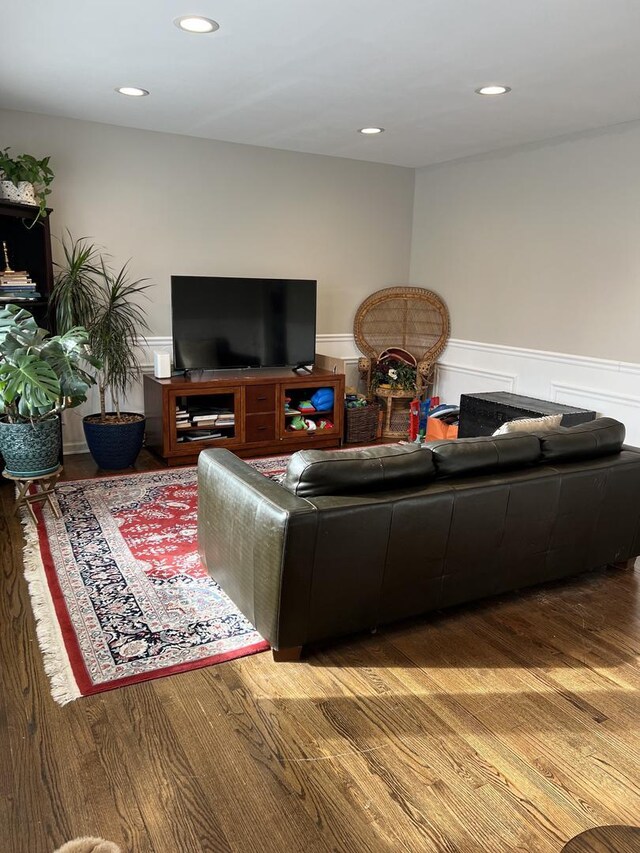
x=88, y=292
x=115, y=329
x=72, y=300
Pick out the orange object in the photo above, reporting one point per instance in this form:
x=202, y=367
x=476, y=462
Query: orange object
x=437, y=429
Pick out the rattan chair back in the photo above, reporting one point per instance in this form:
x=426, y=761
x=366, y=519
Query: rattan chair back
x=409, y=317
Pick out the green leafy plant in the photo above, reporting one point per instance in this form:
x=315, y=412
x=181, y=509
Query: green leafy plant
x=25, y=167
x=89, y=293
x=74, y=284
x=395, y=374
x=41, y=375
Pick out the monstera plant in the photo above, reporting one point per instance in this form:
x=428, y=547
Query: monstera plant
x=40, y=376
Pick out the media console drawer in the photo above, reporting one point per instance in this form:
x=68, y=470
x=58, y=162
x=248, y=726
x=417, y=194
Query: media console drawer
x=260, y=398
x=260, y=427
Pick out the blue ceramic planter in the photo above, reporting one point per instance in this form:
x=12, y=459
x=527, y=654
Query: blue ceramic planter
x=30, y=450
x=114, y=446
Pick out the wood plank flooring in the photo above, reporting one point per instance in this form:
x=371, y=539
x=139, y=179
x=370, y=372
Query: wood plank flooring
x=510, y=725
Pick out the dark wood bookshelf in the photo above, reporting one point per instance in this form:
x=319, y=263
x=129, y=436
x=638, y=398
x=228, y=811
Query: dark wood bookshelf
x=29, y=248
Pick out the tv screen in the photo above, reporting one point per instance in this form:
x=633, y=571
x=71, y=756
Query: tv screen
x=242, y=322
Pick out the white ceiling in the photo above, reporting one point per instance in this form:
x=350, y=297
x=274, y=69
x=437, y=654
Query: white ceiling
x=303, y=75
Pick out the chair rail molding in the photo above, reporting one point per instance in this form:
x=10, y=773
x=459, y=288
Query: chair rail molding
x=473, y=376
x=610, y=387
x=569, y=393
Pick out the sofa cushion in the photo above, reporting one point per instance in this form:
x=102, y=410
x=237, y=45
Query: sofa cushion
x=311, y=473
x=475, y=455
x=546, y=423
x=601, y=437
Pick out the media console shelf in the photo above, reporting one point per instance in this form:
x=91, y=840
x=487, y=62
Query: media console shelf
x=243, y=410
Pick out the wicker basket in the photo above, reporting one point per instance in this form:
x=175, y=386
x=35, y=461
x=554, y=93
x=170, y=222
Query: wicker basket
x=361, y=424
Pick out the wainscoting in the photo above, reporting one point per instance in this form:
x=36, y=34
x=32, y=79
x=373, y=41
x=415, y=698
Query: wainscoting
x=610, y=387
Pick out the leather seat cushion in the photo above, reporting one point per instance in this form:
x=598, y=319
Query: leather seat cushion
x=311, y=473
x=601, y=437
x=474, y=455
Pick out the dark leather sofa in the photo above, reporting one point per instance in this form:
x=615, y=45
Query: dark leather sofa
x=355, y=539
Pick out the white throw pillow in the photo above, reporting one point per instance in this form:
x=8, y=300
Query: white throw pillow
x=543, y=424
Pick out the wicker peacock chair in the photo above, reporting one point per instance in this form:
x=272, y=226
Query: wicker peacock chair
x=411, y=318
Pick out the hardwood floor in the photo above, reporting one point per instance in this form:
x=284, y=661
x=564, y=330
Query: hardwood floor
x=510, y=725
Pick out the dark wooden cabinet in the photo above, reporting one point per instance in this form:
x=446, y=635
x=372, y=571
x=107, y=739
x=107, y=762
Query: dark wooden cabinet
x=256, y=399
x=29, y=248
x=482, y=414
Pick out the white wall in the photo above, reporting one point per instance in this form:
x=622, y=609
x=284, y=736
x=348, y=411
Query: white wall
x=540, y=247
x=608, y=387
x=537, y=254
x=179, y=205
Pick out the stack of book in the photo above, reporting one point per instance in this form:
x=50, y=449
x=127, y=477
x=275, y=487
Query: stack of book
x=15, y=285
x=226, y=419
x=182, y=419
x=203, y=425
x=203, y=435
x=204, y=420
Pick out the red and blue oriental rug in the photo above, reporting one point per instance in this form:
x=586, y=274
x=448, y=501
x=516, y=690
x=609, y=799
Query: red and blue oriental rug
x=117, y=587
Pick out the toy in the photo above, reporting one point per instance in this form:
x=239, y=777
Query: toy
x=298, y=423
x=414, y=418
x=322, y=399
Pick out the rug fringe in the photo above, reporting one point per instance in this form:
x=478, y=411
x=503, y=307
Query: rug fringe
x=54, y=654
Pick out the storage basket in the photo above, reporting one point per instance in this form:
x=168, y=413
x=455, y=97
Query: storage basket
x=361, y=424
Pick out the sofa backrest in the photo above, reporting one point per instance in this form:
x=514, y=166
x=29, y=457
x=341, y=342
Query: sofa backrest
x=462, y=456
x=595, y=438
x=311, y=473
x=457, y=457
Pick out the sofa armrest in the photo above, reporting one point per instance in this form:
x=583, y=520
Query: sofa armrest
x=255, y=539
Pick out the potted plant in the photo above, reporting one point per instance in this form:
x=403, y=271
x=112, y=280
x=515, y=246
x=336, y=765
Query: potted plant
x=88, y=292
x=393, y=374
x=25, y=180
x=40, y=376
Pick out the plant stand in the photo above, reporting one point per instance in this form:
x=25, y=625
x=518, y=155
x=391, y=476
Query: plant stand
x=44, y=486
x=396, y=411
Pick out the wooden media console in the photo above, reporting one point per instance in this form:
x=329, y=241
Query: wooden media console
x=243, y=410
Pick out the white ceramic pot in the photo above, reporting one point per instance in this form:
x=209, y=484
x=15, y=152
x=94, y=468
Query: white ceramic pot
x=23, y=193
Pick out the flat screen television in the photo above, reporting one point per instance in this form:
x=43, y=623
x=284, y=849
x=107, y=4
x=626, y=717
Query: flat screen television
x=223, y=323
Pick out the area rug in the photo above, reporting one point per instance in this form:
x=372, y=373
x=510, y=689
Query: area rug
x=118, y=590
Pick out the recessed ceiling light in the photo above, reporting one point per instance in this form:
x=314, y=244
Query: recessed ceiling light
x=493, y=90
x=370, y=131
x=132, y=91
x=196, y=24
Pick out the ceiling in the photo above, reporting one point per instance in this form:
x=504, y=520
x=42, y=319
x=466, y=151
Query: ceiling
x=304, y=75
